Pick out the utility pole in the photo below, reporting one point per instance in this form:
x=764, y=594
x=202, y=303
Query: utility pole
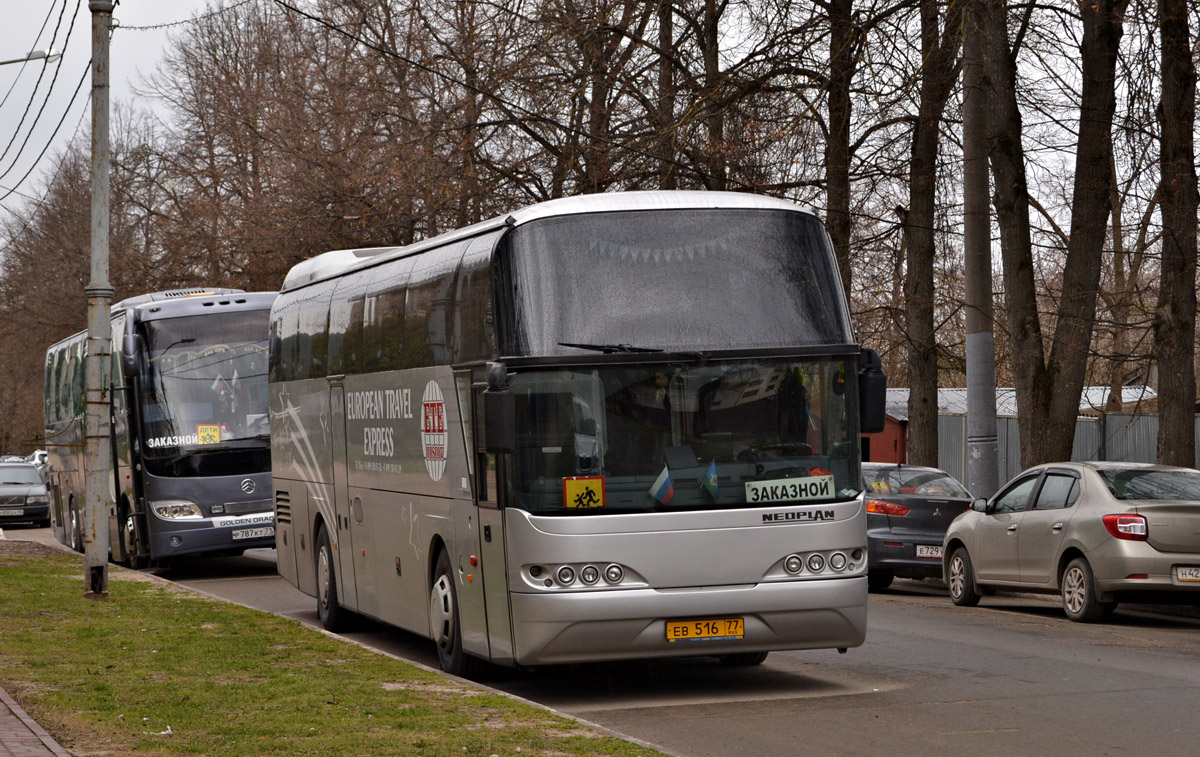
x=983, y=456
x=97, y=449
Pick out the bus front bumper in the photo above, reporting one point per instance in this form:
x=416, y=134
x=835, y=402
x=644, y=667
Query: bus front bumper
x=584, y=626
x=204, y=537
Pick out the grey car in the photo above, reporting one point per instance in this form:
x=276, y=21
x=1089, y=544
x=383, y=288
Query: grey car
x=1097, y=533
x=23, y=497
x=908, y=510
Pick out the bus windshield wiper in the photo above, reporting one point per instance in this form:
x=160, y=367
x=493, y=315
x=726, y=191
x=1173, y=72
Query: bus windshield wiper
x=608, y=349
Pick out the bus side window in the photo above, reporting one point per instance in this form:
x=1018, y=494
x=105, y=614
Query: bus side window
x=485, y=477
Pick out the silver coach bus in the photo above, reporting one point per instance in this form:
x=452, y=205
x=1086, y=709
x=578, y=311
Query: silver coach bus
x=603, y=427
x=189, y=413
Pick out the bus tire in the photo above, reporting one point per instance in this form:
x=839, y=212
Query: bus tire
x=444, y=627
x=333, y=617
x=743, y=659
x=133, y=545
x=76, y=528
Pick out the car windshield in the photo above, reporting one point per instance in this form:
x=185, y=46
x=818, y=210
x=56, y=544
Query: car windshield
x=19, y=474
x=708, y=435
x=1135, y=483
x=918, y=481
x=207, y=382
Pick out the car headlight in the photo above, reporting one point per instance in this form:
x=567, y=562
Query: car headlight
x=37, y=499
x=177, y=509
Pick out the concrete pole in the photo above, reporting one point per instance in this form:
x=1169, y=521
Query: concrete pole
x=983, y=458
x=97, y=449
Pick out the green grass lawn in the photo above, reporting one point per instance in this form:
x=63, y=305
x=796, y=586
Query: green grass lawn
x=155, y=669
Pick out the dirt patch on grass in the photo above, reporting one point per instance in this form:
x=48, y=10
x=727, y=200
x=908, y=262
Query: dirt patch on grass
x=11, y=550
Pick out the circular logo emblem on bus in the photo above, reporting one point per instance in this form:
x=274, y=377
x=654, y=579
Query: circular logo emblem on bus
x=433, y=430
x=248, y=486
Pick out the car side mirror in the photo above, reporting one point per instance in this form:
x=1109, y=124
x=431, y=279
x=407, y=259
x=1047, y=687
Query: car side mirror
x=979, y=505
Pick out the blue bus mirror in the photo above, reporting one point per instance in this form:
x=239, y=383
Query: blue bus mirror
x=872, y=392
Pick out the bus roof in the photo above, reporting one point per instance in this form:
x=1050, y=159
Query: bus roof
x=331, y=264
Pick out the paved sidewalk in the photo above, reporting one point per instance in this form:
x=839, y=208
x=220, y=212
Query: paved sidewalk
x=20, y=736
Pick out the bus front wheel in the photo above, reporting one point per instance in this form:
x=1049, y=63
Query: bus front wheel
x=444, y=627
x=134, y=549
x=332, y=616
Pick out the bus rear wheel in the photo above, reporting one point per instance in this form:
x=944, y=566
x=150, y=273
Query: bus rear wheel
x=76, y=528
x=333, y=617
x=444, y=626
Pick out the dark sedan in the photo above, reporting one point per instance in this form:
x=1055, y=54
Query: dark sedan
x=23, y=497
x=908, y=510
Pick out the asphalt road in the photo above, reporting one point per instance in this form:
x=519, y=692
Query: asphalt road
x=1012, y=676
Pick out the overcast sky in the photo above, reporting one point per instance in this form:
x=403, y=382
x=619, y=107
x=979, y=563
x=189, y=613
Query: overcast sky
x=30, y=25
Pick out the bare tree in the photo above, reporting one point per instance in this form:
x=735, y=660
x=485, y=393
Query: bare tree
x=1048, y=388
x=941, y=41
x=1175, y=318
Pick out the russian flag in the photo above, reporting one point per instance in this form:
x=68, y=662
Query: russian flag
x=662, y=489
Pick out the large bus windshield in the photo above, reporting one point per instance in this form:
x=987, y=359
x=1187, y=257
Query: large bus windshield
x=205, y=383
x=714, y=426
x=676, y=281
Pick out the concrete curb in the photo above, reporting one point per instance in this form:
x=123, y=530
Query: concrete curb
x=35, y=730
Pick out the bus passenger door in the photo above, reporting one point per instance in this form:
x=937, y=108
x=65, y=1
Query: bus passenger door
x=493, y=559
x=346, y=584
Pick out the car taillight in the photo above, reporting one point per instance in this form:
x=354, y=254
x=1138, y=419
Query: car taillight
x=883, y=507
x=1132, y=527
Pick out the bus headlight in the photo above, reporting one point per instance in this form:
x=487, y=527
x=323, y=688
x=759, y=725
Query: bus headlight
x=614, y=573
x=793, y=564
x=589, y=574
x=816, y=563
x=566, y=575
x=177, y=509
x=837, y=561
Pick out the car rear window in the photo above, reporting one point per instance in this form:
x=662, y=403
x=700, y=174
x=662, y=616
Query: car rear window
x=925, y=483
x=1132, y=483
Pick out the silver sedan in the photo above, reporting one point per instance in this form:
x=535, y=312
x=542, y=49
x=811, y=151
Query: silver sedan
x=1096, y=532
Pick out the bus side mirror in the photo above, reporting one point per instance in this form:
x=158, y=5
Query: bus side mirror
x=499, y=414
x=131, y=345
x=872, y=392
x=499, y=411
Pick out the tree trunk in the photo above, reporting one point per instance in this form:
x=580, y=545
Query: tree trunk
x=937, y=78
x=837, y=142
x=1175, y=318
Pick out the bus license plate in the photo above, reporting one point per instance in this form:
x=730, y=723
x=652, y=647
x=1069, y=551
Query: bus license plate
x=1188, y=573
x=12, y=511
x=254, y=533
x=705, y=630
x=929, y=550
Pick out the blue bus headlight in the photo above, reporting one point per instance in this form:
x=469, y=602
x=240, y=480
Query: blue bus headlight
x=177, y=509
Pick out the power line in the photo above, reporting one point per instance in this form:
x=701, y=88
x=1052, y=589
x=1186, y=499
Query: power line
x=45, y=21
x=184, y=22
x=33, y=96
x=50, y=141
